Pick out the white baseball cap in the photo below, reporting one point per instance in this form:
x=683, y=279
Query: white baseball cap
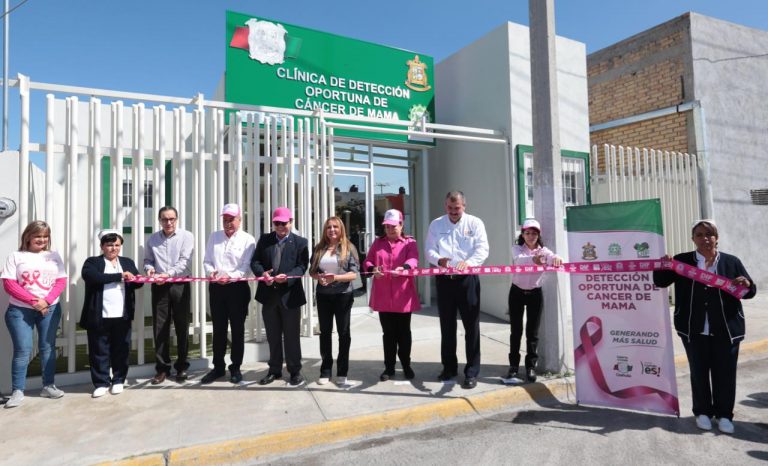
x=530, y=223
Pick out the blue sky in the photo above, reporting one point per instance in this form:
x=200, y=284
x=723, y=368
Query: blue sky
x=176, y=47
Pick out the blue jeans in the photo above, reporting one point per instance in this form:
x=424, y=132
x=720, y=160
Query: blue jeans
x=21, y=322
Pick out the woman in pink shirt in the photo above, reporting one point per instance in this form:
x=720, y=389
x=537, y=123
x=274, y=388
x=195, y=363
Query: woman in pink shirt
x=394, y=297
x=33, y=277
x=525, y=293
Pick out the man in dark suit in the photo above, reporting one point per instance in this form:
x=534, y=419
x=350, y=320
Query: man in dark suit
x=278, y=256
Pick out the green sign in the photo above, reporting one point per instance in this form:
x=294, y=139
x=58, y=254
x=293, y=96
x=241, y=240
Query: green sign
x=280, y=65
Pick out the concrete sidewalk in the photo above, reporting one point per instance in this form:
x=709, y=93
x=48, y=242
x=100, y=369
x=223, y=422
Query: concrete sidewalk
x=221, y=423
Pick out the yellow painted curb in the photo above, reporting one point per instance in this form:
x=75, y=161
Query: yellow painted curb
x=329, y=432
x=153, y=459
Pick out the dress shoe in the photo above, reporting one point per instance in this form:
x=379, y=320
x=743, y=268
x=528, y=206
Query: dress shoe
x=269, y=379
x=408, y=373
x=211, y=376
x=158, y=378
x=445, y=376
x=512, y=378
x=531, y=374
x=386, y=375
x=725, y=425
x=703, y=422
x=296, y=380
x=235, y=376
x=469, y=383
x=181, y=376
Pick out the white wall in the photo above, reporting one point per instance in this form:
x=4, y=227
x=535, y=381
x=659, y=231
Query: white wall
x=730, y=69
x=487, y=84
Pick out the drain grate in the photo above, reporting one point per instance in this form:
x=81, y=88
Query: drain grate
x=759, y=196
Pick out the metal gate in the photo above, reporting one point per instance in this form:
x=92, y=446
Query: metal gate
x=629, y=173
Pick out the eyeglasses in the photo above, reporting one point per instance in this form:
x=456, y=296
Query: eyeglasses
x=279, y=224
x=168, y=220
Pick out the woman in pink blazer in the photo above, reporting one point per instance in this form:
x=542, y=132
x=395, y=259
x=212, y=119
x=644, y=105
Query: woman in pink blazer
x=394, y=297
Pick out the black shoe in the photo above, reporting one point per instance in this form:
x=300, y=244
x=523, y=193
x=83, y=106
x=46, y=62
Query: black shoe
x=296, y=380
x=211, y=377
x=512, y=374
x=408, y=373
x=469, y=383
x=386, y=375
x=181, y=376
x=531, y=374
x=446, y=376
x=270, y=378
x=235, y=376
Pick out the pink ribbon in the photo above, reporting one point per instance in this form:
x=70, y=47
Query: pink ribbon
x=587, y=351
x=33, y=279
x=627, y=266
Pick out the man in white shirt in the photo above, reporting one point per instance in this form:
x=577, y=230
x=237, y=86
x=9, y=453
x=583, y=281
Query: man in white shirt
x=458, y=240
x=168, y=254
x=228, y=256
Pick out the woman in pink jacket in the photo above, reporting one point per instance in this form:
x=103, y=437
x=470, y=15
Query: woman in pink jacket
x=394, y=297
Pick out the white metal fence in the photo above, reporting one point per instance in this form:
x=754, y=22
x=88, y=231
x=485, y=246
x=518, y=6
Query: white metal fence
x=114, y=159
x=629, y=173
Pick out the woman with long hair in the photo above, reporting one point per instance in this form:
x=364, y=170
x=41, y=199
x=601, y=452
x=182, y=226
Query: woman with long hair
x=34, y=278
x=334, y=265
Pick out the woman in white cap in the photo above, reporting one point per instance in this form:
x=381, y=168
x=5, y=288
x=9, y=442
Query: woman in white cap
x=108, y=308
x=34, y=278
x=711, y=325
x=394, y=297
x=525, y=296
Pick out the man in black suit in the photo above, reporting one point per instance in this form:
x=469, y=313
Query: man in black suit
x=278, y=256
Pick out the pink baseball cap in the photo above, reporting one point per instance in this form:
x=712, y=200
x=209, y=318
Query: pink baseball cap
x=282, y=214
x=530, y=223
x=392, y=217
x=233, y=210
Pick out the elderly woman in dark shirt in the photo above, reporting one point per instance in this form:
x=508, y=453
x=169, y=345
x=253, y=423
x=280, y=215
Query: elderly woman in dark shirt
x=711, y=325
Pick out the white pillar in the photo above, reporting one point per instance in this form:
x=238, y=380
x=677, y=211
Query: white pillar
x=548, y=190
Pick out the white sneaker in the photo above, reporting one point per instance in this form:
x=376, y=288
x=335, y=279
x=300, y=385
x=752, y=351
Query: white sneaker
x=341, y=380
x=17, y=397
x=725, y=425
x=703, y=422
x=100, y=391
x=50, y=391
x=323, y=380
x=116, y=389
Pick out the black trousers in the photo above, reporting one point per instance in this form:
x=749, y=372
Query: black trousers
x=338, y=306
x=396, y=328
x=521, y=301
x=459, y=294
x=170, y=303
x=109, y=345
x=229, y=308
x=712, y=361
x=283, y=326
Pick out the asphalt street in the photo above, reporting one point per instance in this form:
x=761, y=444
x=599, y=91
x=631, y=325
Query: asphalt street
x=554, y=432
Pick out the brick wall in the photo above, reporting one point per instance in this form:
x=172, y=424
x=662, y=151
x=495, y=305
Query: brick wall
x=643, y=73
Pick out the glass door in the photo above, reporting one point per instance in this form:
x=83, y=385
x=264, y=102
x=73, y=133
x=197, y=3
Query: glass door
x=353, y=197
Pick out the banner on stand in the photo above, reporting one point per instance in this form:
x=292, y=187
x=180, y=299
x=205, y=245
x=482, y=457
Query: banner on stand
x=622, y=335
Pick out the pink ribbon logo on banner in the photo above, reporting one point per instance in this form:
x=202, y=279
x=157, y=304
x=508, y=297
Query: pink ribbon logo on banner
x=587, y=351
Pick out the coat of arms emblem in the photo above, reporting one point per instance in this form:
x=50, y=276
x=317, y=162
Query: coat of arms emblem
x=589, y=252
x=417, y=75
x=266, y=41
